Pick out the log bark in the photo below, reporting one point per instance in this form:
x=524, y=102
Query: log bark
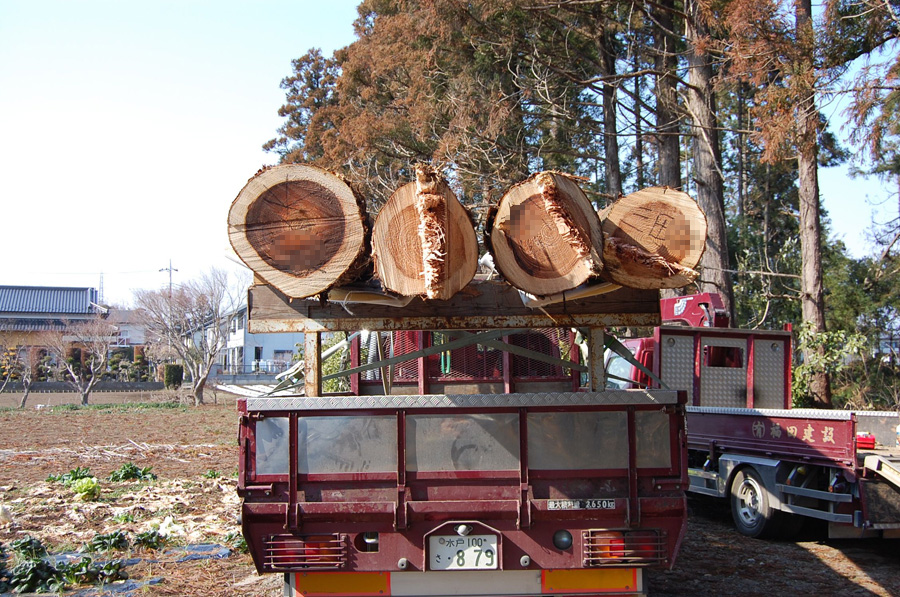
x=653, y=239
x=545, y=235
x=300, y=229
x=423, y=240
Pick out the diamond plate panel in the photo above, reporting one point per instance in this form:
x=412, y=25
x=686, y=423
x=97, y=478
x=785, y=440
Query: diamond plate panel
x=606, y=398
x=677, y=361
x=724, y=386
x=768, y=373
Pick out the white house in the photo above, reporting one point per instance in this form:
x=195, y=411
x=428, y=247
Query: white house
x=247, y=353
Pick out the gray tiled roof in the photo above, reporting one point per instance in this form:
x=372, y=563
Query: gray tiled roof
x=45, y=299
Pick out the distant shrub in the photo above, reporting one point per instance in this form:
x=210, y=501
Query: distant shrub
x=174, y=376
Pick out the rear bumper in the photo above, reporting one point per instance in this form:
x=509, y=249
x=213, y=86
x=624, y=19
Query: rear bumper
x=608, y=581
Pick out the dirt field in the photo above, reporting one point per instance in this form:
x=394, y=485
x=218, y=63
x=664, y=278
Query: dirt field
x=193, y=452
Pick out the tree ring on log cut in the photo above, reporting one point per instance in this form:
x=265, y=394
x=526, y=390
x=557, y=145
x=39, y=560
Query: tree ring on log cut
x=654, y=238
x=536, y=243
x=545, y=235
x=299, y=228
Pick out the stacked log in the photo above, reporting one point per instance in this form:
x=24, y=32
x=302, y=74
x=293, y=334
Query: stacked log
x=653, y=239
x=423, y=240
x=300, y=229
x=305, y=231
x=545, y=235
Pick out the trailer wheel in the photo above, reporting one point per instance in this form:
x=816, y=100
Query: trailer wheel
x=751, y=505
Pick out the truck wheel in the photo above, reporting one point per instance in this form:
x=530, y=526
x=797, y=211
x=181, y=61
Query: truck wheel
x=751, y=505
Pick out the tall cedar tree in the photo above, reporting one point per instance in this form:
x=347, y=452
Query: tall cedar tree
x=778, y=57
x=707, y=172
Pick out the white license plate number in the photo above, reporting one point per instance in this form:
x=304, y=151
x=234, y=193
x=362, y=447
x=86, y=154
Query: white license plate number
x=454, y=552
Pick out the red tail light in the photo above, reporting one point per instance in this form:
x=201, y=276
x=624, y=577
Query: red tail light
x=610, y=548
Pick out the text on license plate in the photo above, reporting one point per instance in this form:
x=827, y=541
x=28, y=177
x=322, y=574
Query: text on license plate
x=470, y=552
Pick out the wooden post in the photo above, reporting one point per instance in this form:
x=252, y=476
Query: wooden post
x=508, y=386
x=595, y=353
x=312, y=363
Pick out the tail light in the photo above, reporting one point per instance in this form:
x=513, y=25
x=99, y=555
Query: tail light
x=611, y=548
x=611, y=545
x=285, y=552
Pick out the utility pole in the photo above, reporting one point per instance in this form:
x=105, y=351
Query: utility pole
x=170, y=270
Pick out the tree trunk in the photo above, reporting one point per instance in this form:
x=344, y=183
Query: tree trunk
x=24, y=397
x=27, y=380
x=653, y=239
x=198, y=392
x=610, y=123
x=669, y=159
x=545, y=235
x=638, y=123
x=813, y=299
x=423, y=240
x=300, y=228
x=707, y=160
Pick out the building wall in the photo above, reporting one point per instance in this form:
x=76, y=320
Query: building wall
x=265, y=353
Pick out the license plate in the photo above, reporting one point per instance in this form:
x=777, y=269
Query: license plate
x=454, y=552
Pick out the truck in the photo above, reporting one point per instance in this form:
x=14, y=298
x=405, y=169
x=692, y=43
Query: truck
x=778, y=466
x=473, y=451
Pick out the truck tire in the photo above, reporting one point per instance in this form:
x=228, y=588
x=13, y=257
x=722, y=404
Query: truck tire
x=751, y=505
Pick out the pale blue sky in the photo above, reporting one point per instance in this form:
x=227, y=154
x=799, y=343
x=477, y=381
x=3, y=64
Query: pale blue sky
x=127, y=128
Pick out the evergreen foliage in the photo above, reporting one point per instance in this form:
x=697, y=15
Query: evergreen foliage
x=490, y=91
x=174, y=376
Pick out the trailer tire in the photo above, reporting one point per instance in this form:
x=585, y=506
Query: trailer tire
x=751, y=505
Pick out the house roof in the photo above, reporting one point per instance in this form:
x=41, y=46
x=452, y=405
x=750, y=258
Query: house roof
x=61, y=301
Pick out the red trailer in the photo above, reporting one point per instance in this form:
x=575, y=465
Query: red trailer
x=508, y=482
x=776, y=465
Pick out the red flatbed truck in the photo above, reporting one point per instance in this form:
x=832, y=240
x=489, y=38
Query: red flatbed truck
x=777, y=465
x=503, y=484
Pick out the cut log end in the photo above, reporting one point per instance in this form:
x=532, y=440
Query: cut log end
x=424, y=241
x=301, y=229
x=545, y=236
x=654, y=239
x=565, y=225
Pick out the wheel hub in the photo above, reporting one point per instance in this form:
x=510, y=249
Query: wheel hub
x=749, y=502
